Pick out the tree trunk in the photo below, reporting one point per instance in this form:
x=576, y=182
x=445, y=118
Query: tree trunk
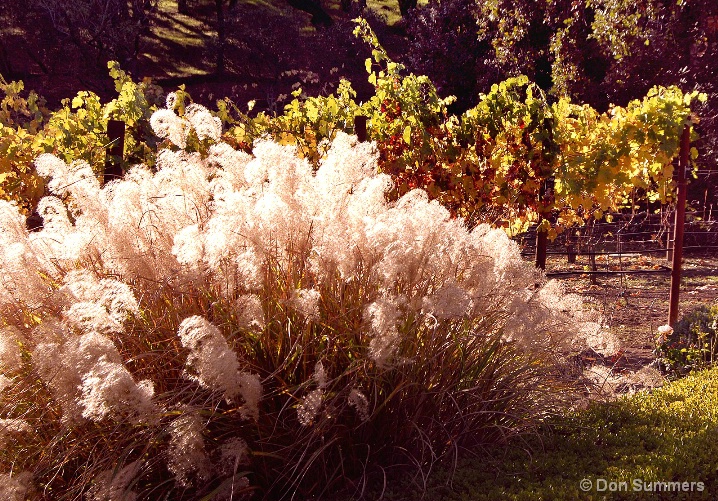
x=319, y=15
x=141, y=12
x=356, y=6
x=123, y=10
x=5, y=64
x=405, y=6
x=219, y=5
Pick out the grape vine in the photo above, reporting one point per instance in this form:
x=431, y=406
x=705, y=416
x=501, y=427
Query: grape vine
x=515, y=159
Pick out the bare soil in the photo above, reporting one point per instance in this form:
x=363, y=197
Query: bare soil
x=635, y=305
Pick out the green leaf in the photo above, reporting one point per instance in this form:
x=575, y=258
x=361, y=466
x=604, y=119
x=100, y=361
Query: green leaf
x=407, y=134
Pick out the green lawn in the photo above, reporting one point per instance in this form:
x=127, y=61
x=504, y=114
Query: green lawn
x=669, y=435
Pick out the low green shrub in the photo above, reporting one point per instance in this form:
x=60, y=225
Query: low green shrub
x=668, y=435
x=693, y=343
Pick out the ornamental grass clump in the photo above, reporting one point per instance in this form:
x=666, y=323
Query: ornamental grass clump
x=233, y=326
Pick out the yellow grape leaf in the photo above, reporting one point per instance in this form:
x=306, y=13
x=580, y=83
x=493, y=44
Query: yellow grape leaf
x=312, y=112
x=77, y=101
x=407, y=134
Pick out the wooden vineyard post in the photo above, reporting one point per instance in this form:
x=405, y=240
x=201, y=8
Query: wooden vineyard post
x=545, y=194
x=677, y=256
x=592, y=262
x=669, y=249
x=115, y=150
x=360, y=127
x=570, y=248
x=541, y=245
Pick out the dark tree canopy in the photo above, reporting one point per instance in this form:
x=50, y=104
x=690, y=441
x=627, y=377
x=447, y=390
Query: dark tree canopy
x=596, y=51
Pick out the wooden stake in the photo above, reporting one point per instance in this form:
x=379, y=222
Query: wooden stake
x=115, y=150
x=546, y=194
x=541, y=245
x=679, y=225
x=360, y=127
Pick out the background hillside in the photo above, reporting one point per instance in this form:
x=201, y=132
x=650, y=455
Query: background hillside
x=598, y=52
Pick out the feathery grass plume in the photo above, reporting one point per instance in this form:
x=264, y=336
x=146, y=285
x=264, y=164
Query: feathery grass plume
x=360, y=403
x=606, y=384
x=75, y=179
x=114, y=485
x=5, y=382
x=306, y=302
x=599, y=339
x=320, y=375
x=647, y=377
x=250, y=387
x=215, y=366
x=12, y=427
x=54, y=215
x=10, y=355
x=309, y=407
x=115, y=297
x=109, y=391
x=249, y=311
x=227, y=166
x=203, y=122
x=91, y=317
x=383, y=315
x=168, y=125
x=89, y=381
x=14, y=487
x=188, y=460
x=328, y=333
x=170, y=102
x=57, y=237
x=233, y=453
x=21, y=283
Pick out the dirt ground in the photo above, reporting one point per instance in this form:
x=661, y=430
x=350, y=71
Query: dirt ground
x=635, y=305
